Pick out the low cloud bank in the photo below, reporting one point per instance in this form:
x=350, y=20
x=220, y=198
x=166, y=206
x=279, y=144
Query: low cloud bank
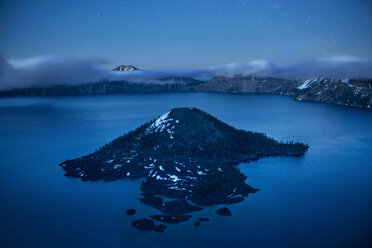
x=338, y=67
x=47, y=70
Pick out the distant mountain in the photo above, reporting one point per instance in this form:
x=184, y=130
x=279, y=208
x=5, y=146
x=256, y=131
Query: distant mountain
x=347, y=92
x=125, y=68
x=185, y=154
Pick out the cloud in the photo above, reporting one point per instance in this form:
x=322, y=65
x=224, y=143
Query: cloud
x=48, y=70
x=149, y=75
x=45, y=71
x=342, y=59
x=255, y=67
x=338, y=67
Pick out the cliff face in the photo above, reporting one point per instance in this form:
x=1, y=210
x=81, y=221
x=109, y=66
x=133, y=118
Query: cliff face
x=250, y=85
x=348, y=92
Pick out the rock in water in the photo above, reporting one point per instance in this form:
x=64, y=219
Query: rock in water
x=185, y=154
x=144, y=224
x=160, y=228
x=224, y=211
x=131, y=211
x=148, y=225
x=197, y=223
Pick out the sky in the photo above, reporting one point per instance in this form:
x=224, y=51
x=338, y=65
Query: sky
x=187, y=34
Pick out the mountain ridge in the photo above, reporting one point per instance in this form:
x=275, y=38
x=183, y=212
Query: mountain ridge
x=346, y=92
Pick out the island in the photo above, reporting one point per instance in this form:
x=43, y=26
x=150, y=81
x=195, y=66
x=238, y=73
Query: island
x=185, y=155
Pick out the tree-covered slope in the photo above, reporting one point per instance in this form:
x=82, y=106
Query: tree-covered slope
x=184, y=154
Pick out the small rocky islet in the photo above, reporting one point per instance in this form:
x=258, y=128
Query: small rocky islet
x=224, y=211
x=148, y=225
x=185, y=156
x=131, y=211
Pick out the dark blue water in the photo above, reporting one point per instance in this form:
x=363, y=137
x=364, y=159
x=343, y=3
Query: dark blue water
x=323, y=199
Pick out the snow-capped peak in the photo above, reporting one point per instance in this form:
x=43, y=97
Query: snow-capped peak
x=125, y=68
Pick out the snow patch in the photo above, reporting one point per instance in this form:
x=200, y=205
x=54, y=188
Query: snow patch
x=149, y=166
x=160, y=178
x=116, y=166
x=307, y=83
x=176, y=188
x=163, y=123
x=174, y=178
x=345, y=81
x=154, y=174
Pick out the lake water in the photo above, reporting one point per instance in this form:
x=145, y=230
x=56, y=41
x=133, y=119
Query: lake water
x=323, y=199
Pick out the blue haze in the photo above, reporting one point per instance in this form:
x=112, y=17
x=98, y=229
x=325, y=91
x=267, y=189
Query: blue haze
x=319, y=200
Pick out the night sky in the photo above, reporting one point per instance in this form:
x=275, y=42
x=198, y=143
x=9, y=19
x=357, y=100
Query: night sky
x=186, y=34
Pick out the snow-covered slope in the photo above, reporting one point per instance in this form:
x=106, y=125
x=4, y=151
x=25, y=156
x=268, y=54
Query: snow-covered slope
x=125, y=68
x=349, y=92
